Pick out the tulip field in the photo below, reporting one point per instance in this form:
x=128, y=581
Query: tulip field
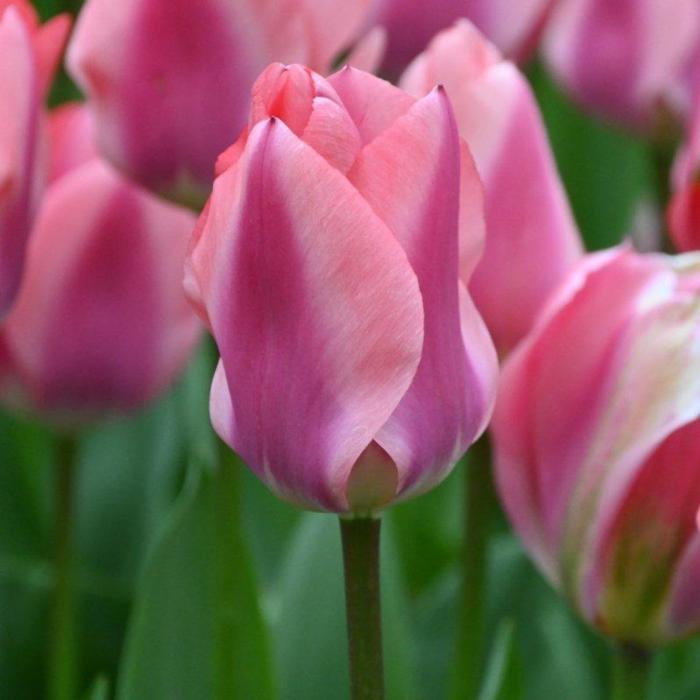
x=349, y=350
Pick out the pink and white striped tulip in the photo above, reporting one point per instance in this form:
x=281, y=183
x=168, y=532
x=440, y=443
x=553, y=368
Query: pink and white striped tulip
x=622, y=58
x=28, y=55
x=531, y=239
x=684, y=209
x=169, y=80
x=513, y=26
x=597, y=443
x=100, y=324
x=354, y=367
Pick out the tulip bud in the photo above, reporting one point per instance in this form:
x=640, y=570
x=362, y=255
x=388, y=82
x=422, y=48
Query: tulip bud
x=597, y=443
x=684, y=208
x=354, y=368
x=622, y=58
x=100, y=324
x=531, y=237
x=28, y=54
x=513, y=26
x=169, y=80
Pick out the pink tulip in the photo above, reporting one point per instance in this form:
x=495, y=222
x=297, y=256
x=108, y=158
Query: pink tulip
x=354, y=368
x=71, y=138
x=169, y=79
x=100, y=324
x=597, y=443
x=410, y=24
x=622, y=58
x=684, y=208
x=28, y=54
x=531, y=239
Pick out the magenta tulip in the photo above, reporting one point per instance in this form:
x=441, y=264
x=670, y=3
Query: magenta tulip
x=28, y=54
x=513, y=26
x=169, y=80
x=531, y=239
x=684, y=208
x=597, y=443
x=622, y=58
x=100, y=324
x=354, y=367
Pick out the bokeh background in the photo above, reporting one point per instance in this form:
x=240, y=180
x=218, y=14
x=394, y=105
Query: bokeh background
x=161, y=558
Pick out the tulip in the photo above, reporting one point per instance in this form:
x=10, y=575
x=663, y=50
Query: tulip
x=684, y=209
x=354, y=368
x=100, y=324
x=513, y=26
x=169, y=80
x=597, y=443
x=531, y=239
x=28, y=54
x=622, y=58
x=71, y=138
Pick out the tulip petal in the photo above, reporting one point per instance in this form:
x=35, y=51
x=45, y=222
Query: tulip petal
x=410, y=174
x=317, y=314
x=361, y=93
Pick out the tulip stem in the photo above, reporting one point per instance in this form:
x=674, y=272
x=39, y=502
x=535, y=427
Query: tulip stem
x=63, y=670
x=471, y=620
x=362, y=601
x=631, y=666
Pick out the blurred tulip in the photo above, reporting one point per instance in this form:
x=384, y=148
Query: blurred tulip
x=100, y=324
x=622, y=58
x=684, y=208
x=531, y=239
x=28, y=55
x=597, y=443
x=355, y=370
x=513, y=26
x=169, y=80
x=71, y=138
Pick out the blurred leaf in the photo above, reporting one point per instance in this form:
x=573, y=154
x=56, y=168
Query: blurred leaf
x=99, y=690
x=503, y=678
x=310, y=633
x=605, y=171
x=197, y=601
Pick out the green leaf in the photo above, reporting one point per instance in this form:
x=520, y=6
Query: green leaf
x=606, y=172
x=99, y=690
x=309, y=630
x=503, y=679
x=196, y=631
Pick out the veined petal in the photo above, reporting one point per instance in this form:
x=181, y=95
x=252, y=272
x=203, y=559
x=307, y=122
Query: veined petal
x=317, y=314
x=410, y=175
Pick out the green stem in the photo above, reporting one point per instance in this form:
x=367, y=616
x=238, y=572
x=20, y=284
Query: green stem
x=63, y=670
x=471, y=631
x=630, y=673
x=362, y=601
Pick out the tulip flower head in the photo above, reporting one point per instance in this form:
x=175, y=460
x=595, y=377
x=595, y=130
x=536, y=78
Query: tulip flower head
x=100, y=324
x=169, y=80
x=354, y=367
x=28, y=55
x=621, y=58
x=597, y=443
x=531, y=240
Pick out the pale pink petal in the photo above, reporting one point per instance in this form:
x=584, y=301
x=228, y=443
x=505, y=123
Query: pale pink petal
x=373, y=103
x=367, y=54
x=316, y=311
x=410, y=175
x=71, y=138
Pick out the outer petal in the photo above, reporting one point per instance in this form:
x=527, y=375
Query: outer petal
x=101, y=323
x=168, y=80
x=71, y=136
x=556, y=386
x=21, y=150
x=620, y=57
x=316, y=312
x=410, y=175
x=532, y=240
